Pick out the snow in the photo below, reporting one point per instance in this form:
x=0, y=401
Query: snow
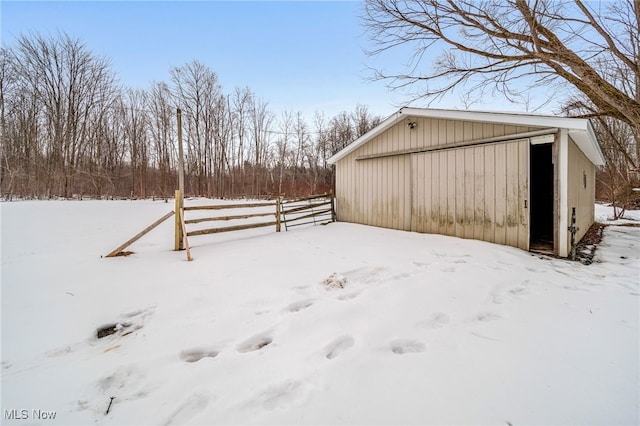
x=335, y=324
x=604, y=214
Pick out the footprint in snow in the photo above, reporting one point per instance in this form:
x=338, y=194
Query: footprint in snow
x=487, y=316
x=195, y=355
x=339, y=346
x=349, y=296
x=437, y=320
x=519, y=290
x=283, y=396
x=255, y=343
x=128, y=382
x=189, y=408
x=300, y=305
x=403, y=346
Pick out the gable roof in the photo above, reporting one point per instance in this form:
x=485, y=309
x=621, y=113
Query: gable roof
x=580, y=129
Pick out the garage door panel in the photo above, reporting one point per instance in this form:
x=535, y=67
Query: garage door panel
x=469, y=190
x=500, y=193
x=473, y=192
x=479, y=189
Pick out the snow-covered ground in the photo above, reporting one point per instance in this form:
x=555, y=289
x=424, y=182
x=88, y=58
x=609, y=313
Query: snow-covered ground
x=336, y=324
x=604, y=214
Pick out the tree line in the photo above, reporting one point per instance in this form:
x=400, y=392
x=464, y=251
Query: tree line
x=68, y=129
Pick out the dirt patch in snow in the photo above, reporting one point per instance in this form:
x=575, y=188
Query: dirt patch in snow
x=334, y=281
x=587, y=246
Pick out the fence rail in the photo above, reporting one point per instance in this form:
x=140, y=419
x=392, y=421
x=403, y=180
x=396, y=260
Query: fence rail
x=304, y=211
x=230, y=228
x=229, y=206
x=234, y=217
x=315, y=209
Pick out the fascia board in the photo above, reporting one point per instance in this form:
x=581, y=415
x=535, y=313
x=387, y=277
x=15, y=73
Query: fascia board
x=519, y=119
x=580, y=128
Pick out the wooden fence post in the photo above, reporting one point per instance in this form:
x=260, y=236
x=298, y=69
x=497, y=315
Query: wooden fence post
x=278, y=201
x=183, y=227
x=333, y=207
x=178, y=227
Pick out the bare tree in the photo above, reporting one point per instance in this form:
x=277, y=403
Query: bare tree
x=616, y=139
x=620, y=149
x=302, y=140
x=61, y=90
x=242, y=101
x=511, y=46
x=282, y=145
x=222, y=138
x=136, y=132
x=261, y=122
x=161, y=128
x=363, y=120
x=72, y=88
x=196, y=91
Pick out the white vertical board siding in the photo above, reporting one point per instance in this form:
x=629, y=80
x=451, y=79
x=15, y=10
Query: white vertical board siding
x=579, y=196
x=379, y=191
x=476, y=192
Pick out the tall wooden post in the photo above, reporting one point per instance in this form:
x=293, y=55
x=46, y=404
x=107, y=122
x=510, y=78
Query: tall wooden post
x=179, y=240
x=178, y=225
x=180, y=156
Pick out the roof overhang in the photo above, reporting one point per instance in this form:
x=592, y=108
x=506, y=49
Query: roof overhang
x=580, y=129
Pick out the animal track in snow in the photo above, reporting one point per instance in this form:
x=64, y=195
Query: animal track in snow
x=300, y=305
x=403, y=346
x=339, y=346
x=487, y=316
x=194, y=355
x=189, y=408
x=255, y=343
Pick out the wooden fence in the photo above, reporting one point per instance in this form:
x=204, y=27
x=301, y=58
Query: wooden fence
x=316, y=209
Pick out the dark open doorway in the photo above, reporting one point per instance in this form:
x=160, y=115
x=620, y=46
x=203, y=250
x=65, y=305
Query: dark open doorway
x=541, y=198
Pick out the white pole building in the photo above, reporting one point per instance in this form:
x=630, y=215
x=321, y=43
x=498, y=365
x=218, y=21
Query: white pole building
x=506, y=178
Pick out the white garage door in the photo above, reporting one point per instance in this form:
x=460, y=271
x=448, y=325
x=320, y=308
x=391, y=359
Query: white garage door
x=478, y=192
